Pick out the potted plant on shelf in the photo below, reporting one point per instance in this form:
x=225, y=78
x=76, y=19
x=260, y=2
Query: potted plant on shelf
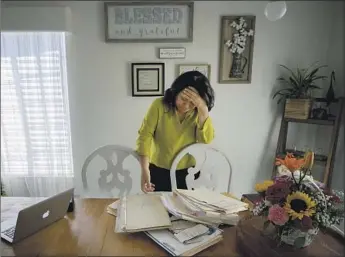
x=295, y=206
x=297, y=90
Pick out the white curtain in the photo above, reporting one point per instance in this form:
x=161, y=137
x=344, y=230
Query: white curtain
x=36, y=154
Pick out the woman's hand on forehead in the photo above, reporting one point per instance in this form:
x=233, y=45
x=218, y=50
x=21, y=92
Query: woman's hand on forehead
x=191, y=88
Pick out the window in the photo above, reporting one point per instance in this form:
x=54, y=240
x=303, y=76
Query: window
x=35, y=127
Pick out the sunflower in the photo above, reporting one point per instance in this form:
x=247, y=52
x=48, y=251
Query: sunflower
x=262, y=187
x=299, y=204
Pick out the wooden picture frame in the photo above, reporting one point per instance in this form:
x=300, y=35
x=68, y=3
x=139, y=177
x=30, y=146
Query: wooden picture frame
x=148, y=79
x=204, y=68
x=148, y=21
x=236, y=67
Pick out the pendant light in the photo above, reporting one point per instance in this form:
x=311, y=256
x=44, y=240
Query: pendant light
x=275, y=10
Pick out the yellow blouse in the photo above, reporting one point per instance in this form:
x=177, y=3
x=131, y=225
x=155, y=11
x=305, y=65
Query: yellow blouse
x=162, y=136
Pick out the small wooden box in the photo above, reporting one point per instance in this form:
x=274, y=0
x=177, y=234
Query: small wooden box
x=251, y=200
x=297, y=108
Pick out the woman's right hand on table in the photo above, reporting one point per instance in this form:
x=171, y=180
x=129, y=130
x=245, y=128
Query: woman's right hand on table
x=146, y=185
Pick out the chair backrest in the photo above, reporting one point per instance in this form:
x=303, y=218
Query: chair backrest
x=215, y=168
x=114, y=180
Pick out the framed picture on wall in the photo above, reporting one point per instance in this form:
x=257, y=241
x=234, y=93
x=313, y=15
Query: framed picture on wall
x=147, y=79
x=149, y=21
x=236, y=49
x=203, y=68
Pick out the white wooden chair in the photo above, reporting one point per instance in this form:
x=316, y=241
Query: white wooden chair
x=115, y=180
x=215, y=168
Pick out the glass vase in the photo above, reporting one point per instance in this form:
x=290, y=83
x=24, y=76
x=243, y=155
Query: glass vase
x=298, y=238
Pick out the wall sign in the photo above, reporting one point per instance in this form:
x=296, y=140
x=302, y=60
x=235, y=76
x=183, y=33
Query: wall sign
x=172, y=53
x=149, y=21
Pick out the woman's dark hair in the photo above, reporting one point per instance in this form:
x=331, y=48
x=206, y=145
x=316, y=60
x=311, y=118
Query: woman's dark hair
x=193, y=79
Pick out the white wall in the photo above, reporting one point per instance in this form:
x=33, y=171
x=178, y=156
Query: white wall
x=245, y=116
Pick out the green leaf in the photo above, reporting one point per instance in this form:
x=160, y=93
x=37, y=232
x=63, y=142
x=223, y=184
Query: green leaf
x=292, y=73
x=299, y=242
x=308, y=69
x=313, y=86
x=311, y=74
x=283, y=80
x=284, y=91
x=316, y=69
x=276, y=94
x=280, y=99
x=294, y=82
x=319, y=77
x=300, y=76
x=266, y=224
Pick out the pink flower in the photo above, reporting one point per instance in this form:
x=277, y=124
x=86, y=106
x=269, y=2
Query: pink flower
x=277, y=215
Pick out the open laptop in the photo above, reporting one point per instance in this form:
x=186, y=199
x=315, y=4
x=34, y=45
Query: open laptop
x=36, y=217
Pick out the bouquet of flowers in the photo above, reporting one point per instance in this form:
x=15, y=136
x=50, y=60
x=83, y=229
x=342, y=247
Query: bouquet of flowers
x=295, y=204
x=238, y=42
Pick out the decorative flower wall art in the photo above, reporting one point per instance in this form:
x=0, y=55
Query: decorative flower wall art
x=236, y=50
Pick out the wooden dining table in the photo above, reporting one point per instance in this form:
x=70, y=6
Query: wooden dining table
x=89, y=231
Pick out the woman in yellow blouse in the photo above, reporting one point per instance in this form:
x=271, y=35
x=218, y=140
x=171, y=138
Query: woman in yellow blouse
x=173, y=122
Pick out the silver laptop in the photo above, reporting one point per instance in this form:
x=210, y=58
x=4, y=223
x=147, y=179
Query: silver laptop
x=36, y=217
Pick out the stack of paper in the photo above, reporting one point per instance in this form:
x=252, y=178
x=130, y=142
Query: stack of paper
x=206, y=199
x=193, y=227
x=186, y=238
x=204, y=206
x=168, y=242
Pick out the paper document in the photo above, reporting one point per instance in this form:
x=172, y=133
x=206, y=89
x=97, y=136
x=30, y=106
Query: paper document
x=168, y=241
x=186, y=235
x=178, y=225
x=217, y=201
x=114, y=205
x=112, y=208
x=196, y=207
x=178, y=209
x=140, y=213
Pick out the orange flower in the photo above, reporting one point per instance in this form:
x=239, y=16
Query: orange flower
x=290, y=162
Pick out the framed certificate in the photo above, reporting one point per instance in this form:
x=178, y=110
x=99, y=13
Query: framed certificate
x=147, y=79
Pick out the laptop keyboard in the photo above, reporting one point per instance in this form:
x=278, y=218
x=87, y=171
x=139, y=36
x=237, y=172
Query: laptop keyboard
x=9, y=232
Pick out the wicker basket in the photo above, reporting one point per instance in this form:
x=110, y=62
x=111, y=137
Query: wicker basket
x=297, y=108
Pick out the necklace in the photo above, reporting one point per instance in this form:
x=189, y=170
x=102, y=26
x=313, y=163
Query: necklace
x=181, y=117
